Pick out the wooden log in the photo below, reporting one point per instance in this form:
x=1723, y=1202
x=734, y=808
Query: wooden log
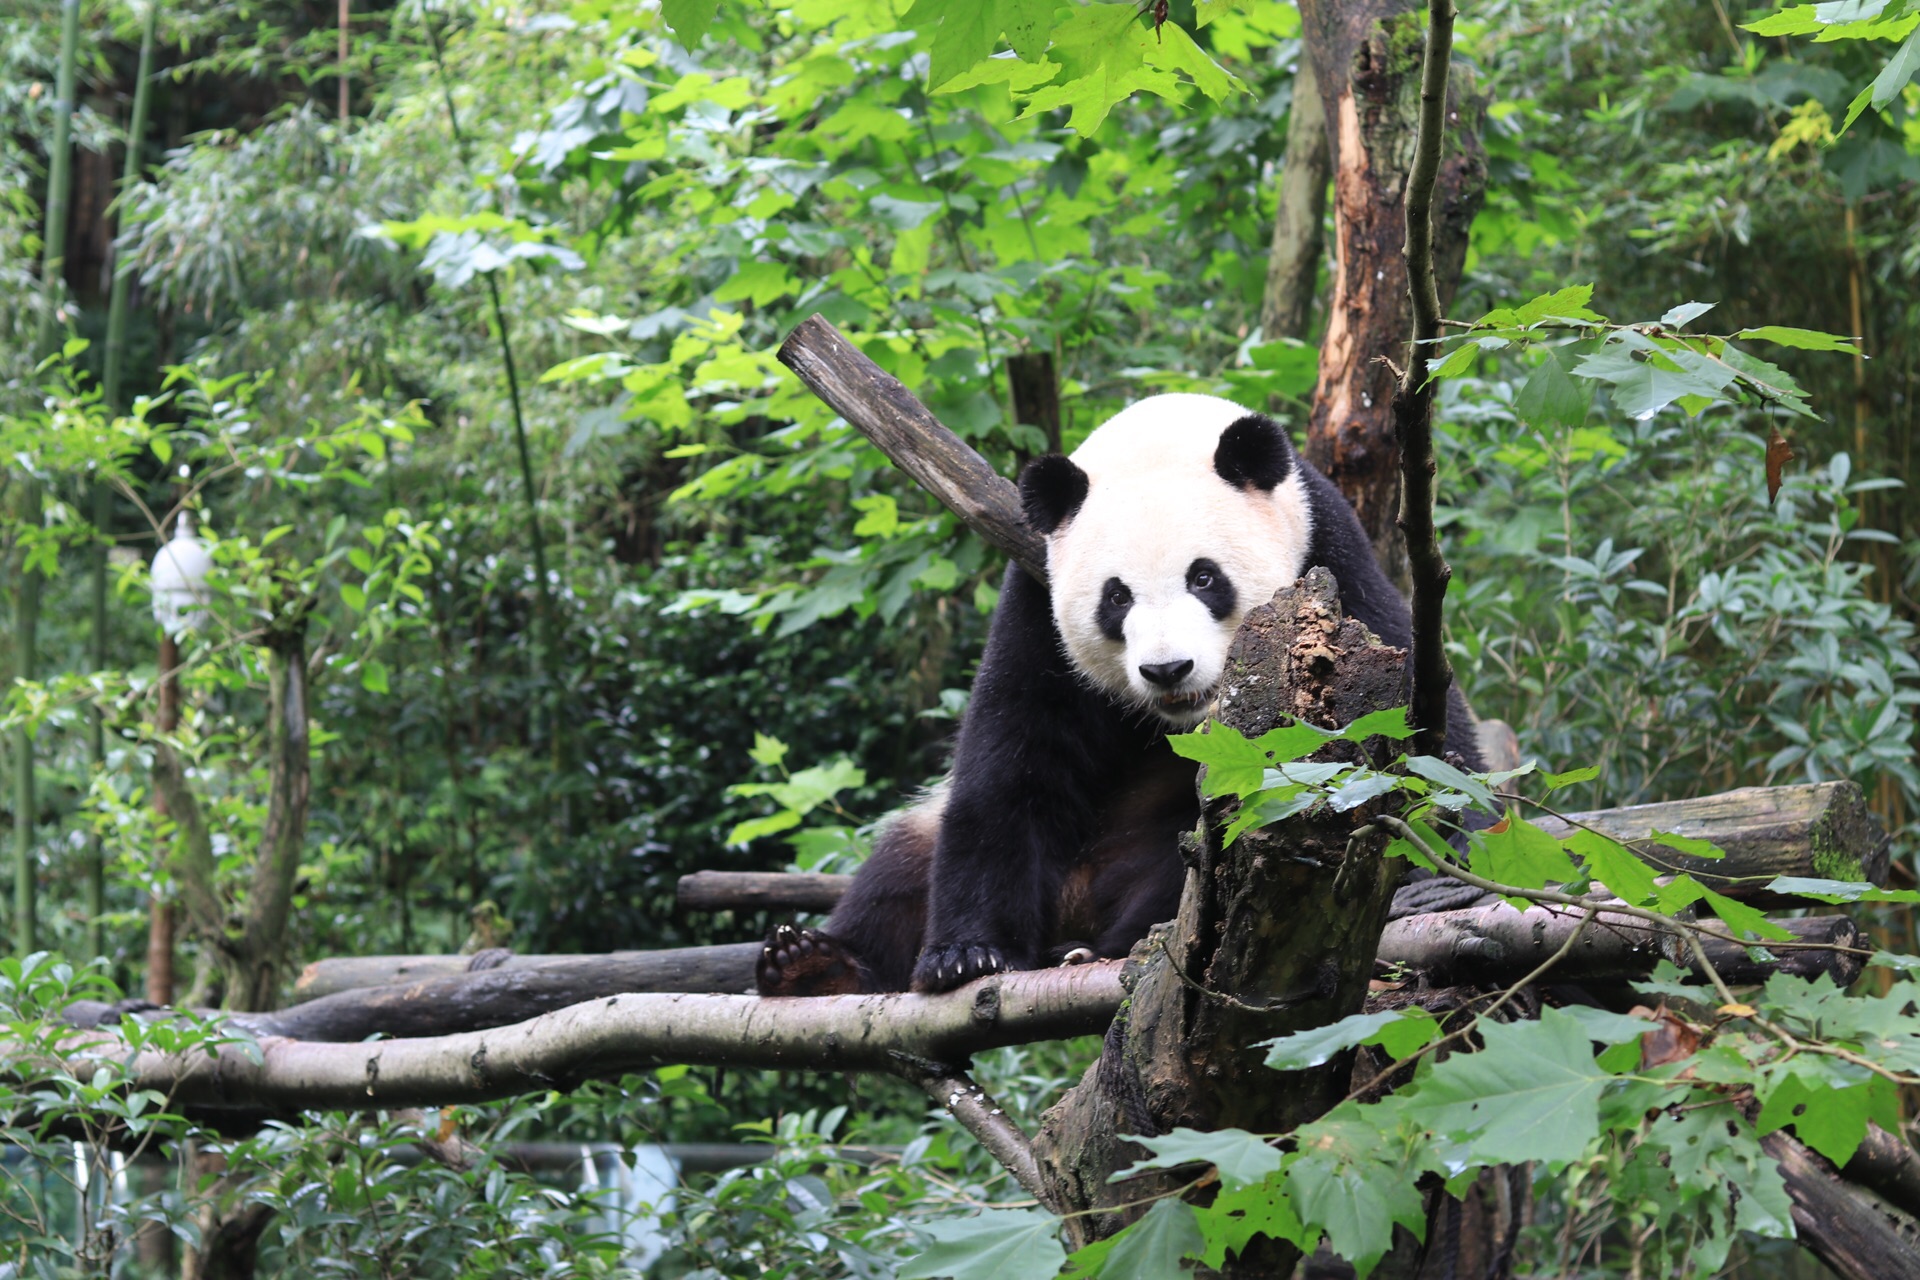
x=726, y=968
x=1736, y=964
x=1497, y=944
x=459, y=1002
x=607, y=1038
x=1854, y=1231
x=1822, y=830
x=884, y=411
x=760, y=891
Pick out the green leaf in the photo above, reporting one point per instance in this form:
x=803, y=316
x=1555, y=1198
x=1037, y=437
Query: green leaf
x=1606, y=1027
x=767, y=751
x=1235, y=766
x=1000, y=1244
x=1614, y=865
x=354, y=596
x=968, y=31
x=1838, y=890
x=1434, y=769
x=1805, y=339
x=1399, y=1032
x=1692, y=846
x=1391, y=723
x=1241, y=1157
x=1552, y=398
x=1569, y=303
x=1532, y=1093
x=1237, y=1216
x=1886, y=86
x=1350, y=1181
x=1516, y=852
x=1153, y=1247
x=1686, y=313
x=1268, y=807
x=1102, y=51
x=373, y=676
x=689, y=18
x=1831, y=1121
x=754, y=828
x=1572, y=777
x=1743, y=920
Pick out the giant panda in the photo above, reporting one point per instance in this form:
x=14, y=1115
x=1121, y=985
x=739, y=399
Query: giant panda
x=1056, y=834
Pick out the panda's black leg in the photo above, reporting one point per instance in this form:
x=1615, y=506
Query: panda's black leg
x=1033, y=753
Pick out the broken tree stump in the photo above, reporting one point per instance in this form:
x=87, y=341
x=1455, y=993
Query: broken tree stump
x=1275, y=934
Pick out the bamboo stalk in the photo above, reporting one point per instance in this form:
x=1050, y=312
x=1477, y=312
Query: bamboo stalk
x=117, y=305
x=26, y=600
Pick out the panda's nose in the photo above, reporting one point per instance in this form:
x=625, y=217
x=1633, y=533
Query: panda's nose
x=1166, y=674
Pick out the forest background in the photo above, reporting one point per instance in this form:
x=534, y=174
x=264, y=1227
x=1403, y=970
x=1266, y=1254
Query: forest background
x=455, y=332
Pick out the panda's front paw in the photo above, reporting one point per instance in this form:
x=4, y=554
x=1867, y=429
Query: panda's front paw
x=949, y=965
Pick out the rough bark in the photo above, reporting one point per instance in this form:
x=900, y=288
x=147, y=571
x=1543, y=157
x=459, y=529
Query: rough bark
x=1854, y=1231
x=1293, y=256
x=725, y=968
x=883, y=410
x=1036, y=394
x=248, y=948
x=604, y=1039
x=1366, y=59
x=1821, y=830
x=459, y=1002
x=1276, y=933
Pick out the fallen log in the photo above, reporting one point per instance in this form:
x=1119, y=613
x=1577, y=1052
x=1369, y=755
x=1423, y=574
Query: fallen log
x=493, y=997
x=1492, y=944
x=605, y=1039
x=723, y=968
x=1735, y=963
x=1854, y=1231
x=760, y=891
x=1821, y=830
x=1495, y=944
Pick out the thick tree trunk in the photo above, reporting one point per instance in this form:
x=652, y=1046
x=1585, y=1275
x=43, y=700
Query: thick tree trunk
x=1366, y=59
x=1293, y=258
x=1275, y=934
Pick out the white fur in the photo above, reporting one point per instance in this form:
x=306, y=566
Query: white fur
x=1155, y=505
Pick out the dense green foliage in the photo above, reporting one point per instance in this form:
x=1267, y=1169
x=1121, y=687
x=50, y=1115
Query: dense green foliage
x=741, y=591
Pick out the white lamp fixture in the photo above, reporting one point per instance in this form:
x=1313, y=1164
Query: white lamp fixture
x=180, y=580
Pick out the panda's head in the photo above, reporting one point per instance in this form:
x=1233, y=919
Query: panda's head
x=1175, y=517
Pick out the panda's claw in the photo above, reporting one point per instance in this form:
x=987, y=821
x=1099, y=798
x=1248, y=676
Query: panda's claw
x=950, y=965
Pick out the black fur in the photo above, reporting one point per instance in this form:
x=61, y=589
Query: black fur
x=1212, y=587
x=1064, y=811
x=1111, y=614
x=1051, y=489
x=1253, y=451
x=1340, y=544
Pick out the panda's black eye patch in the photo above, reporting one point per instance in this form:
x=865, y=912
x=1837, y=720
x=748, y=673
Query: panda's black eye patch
x=1111, y=615
x=1211, y=586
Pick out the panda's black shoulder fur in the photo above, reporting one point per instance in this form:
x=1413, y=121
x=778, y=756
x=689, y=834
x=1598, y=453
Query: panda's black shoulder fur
x=1339, y=542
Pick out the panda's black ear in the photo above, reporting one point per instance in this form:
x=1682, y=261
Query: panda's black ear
x=1254, y=451
x=1051, y=489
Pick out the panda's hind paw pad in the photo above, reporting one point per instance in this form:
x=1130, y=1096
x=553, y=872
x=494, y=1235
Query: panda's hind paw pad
x=805, y=962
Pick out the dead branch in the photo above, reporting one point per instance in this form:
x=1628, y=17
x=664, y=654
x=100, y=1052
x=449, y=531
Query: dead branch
x=605, y=1039
x=884, y=411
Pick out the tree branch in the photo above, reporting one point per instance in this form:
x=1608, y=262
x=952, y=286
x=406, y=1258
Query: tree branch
x=884, y=411
x=1413, y=403
x=608, y=1038
x=980, y=1116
